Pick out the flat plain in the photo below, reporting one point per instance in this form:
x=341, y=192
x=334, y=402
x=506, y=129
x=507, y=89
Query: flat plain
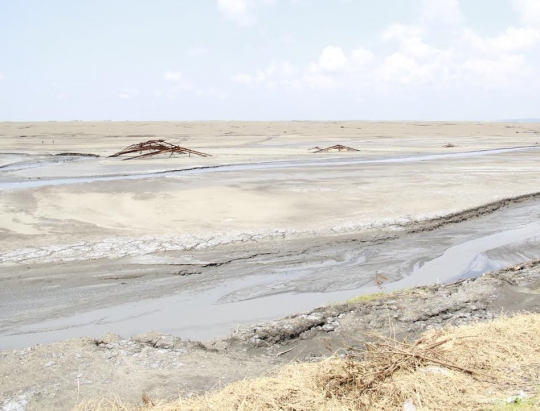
x=264, y=228
x=264, y=215
x=283, y=185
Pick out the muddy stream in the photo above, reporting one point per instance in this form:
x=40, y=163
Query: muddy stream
x=210, y=294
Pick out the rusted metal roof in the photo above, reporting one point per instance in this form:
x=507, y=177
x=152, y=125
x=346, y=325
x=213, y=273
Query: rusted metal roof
x=337, y=147
x=155, y=147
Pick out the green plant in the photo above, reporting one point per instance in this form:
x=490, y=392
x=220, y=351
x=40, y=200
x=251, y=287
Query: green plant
x=366, y=297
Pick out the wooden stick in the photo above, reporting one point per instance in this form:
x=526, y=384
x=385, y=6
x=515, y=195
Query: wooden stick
x=279, y=354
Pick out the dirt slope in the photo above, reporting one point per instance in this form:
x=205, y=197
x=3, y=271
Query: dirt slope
x=58, y=376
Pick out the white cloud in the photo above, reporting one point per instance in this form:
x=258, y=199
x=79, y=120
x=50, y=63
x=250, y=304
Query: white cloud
x=411, y=40
x=361, y=57
x=529, y=11
x=401, y=68
x=236, y=10
x=400, y=32
x=320, y=81
x=274, y=75
x=513, y=39
x=332, y=58
x=497, y=73
x=242, y=11
x=284, y=69
x=232, y=7
x=412, y=58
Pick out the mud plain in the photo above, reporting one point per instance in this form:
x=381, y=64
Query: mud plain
x=265, y=228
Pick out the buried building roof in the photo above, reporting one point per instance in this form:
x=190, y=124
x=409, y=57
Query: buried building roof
x=155, y=147
x=337, y=147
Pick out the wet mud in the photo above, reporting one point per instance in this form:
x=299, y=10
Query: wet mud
x=17, y=184
x=205, y=294
x=165, y=366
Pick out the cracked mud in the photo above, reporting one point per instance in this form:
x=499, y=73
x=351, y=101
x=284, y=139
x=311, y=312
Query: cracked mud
x=95, y=253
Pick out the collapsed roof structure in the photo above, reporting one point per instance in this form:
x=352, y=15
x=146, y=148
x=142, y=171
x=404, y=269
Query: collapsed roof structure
x=155, y=147
x=337, y=147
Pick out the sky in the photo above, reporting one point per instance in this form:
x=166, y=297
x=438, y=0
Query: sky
x=118, y=60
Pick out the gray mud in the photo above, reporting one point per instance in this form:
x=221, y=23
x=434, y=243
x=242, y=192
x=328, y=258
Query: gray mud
x=403, y=314
x=16, y=184
x=58, y=376
x=206, y=294
x=10, y=162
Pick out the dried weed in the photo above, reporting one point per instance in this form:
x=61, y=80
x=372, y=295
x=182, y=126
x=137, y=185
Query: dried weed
x=464, y=368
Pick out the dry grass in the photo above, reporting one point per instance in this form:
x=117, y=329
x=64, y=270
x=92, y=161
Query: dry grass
x=466, y=368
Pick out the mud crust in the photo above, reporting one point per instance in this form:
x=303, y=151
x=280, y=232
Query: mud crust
x=406, y=312
x=454, y=218
x=57, y=376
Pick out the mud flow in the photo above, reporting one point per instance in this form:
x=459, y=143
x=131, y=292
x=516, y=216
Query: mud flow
x=115, y=175
x=209, y=293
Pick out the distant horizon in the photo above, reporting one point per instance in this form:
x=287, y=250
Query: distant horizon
x=280, y=59
x=522, y=120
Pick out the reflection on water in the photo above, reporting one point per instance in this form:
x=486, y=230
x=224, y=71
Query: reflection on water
x=272, y=288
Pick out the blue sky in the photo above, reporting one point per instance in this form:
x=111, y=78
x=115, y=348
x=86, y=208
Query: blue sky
x=269, y=59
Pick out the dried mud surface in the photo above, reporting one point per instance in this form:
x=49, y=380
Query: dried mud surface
x=91, y=244
x=57, y=376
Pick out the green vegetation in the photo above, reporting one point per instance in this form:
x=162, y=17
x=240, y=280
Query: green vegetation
x=367, y=297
